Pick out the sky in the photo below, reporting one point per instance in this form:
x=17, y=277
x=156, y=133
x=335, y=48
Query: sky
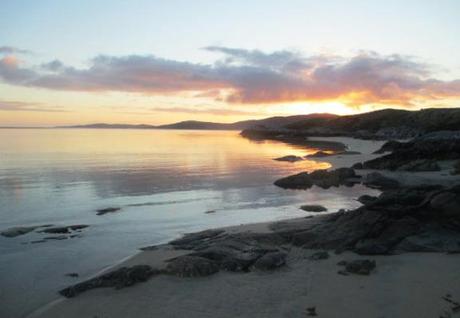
x=157, y=62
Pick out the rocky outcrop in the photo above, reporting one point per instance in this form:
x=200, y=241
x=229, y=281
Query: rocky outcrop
x=456, y=168
x=107, y=210
x=322, y=154
x=420, y=154
x=289, y=158
x=379, y=181
x=321, y=178
x=120, y=278
x=20, y=230
x=192, y=266
x=64, y=229
x=313, y=208
x=270, y=261
x=381, y=225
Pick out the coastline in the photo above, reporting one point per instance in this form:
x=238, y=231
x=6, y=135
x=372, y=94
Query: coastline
x=401, y=286
x=408, y=284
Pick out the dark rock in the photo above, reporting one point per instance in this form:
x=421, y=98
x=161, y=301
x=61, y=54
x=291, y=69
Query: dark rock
x=191, y=266
x=107, y=210
x=313, y=208
x=456, y=168
x=389, y=146
x=290, y=158
x=382, y=239
x=298, y=181
x=360, y=267
x=319, y=256
x=419, y=154
x=319, y=154
x=72, y=275
x=377, y=180
x=210, y=212
x=57, y=237
x=64, y=229
x=358, y=166
x=367, y=199
x=21, y=230
x=189, y=241
x=311, y=311
x=17, y=231
x=120, y=278
x=271, y=261
x=420, y=165
x=321, y=178
x=447, y=204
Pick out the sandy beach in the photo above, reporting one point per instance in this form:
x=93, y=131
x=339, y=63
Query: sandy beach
x=408, y=285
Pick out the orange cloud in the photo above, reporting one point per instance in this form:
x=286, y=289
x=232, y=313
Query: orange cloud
x=248, y=77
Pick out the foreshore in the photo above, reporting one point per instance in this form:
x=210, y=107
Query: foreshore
x=312, y=266
x=405, y=285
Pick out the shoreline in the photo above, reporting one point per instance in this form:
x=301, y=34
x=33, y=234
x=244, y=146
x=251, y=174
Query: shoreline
x=303, y=283
x=157, y=256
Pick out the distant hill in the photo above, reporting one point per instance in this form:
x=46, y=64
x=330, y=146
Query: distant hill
x=384, y=124
x=272, y=122
x=425, y=120
x=387, y=123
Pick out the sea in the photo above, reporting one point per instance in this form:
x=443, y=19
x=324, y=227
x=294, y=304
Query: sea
x=164, y=182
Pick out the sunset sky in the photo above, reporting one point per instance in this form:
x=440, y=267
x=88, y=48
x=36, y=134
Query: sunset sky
x=156, y=62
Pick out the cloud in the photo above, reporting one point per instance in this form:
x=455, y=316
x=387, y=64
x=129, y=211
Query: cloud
x=248, y=77
x=27, y=107
x=13, y=50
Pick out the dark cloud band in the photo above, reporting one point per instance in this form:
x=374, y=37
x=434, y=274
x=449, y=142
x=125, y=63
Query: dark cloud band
x=247, y=76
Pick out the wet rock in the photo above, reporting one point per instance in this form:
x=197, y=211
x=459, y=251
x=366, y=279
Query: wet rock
x=311, y=311
x=18, y=230
x=389, y=146
x=74, y=275
x=210, y=212
x=192, y=240
x=367, y=199
x=290, y=158
x=383, y=238
x=64, y=229
x=298, y=181
x=107, y=210
x=120, y=278
x=319, y=154
x=377, y=180
x=446, y=203
x=321, y=178
x=191, y=266
x=313, y=208
x=433, y=239
x=456, y=168
x=360, y=267
x=319, y=256
x=419, y=154
x=271, y=261
x=420, y=165
x=234, y=253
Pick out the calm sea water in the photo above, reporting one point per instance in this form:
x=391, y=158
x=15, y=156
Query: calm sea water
x=163, y=181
